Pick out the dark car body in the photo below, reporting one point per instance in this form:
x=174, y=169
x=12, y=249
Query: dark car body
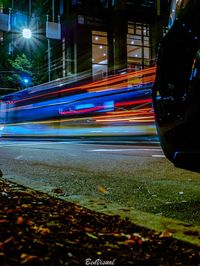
x=176, y=91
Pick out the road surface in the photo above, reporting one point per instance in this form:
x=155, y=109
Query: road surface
x=133, y=175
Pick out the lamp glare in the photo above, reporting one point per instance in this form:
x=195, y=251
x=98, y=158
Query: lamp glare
x=26, y=33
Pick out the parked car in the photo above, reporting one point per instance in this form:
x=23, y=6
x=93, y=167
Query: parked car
x=176, y=91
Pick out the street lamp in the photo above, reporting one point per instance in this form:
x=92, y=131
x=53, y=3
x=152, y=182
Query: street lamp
x=26, y=33
x=26, y=81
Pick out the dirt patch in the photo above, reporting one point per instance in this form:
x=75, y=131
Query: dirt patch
x=37, y=229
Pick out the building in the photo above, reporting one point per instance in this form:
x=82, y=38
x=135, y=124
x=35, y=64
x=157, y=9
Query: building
x=100, y=37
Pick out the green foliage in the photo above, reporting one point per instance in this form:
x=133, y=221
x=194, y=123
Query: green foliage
x=14, y=69
x=22, y=64
x=21, y=67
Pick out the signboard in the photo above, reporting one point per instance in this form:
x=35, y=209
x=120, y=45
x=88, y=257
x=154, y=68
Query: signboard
x=4, y=22
x=53, y=30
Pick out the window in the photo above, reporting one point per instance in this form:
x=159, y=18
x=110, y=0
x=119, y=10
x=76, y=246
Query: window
x=138, y=47
x=99, y=54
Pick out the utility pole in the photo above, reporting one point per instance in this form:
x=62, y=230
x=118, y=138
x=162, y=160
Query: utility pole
x=49, y=54
x=49, y=59
x=30, y=8
x=53, y=10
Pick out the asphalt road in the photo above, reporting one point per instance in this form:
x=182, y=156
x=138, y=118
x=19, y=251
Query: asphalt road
x=132, y=175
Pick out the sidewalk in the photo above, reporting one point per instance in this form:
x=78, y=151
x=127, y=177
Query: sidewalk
x=37, y=229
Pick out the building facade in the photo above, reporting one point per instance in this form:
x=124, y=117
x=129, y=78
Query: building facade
x=100, y=37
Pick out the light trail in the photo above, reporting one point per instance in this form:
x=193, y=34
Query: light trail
x=118, y=101
x=103, y=84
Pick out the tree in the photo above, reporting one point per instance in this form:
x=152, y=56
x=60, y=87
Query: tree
x=22, y=74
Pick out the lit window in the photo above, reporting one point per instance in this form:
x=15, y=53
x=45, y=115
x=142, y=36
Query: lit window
x=138, y=47
x=99, y=54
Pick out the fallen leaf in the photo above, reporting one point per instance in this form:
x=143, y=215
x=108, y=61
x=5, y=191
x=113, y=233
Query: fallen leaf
x=110, y=245
x=57, y=190
x=138, y=238
x=1, y=245
x=26, y=206
x=129, y=242
x=166, y=233
x=8, y=239
x=20, y=220
x=91, y=235
x=29, y=222
x=3, y=221
x=102, y=189
x=26, y=258
x=12, y=211
x=41, y=230
x=116, y=234
x=99, y=253
x=126, y=209
x=89, y=229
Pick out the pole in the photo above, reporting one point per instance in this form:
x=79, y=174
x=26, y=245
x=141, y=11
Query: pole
x=48, y=50
x=158, y=7
x=53, y=10
x=49, y=60
x=30, y=11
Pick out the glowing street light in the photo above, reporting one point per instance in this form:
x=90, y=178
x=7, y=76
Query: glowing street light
x=26, y=33
x=26, y=81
